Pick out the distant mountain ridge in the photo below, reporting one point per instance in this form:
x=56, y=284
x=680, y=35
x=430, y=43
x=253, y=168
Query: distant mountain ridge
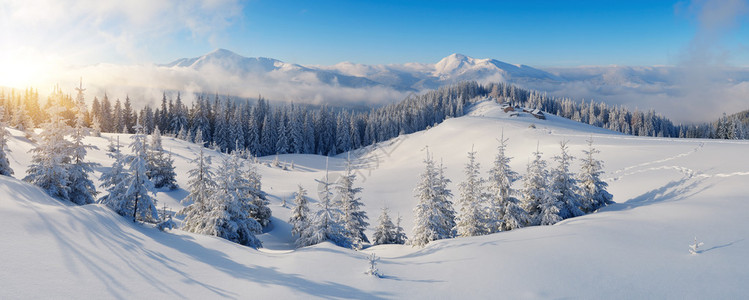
x=402, y=77
x=678, y=91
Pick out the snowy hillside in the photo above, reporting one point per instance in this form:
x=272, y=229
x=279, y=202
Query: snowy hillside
x=668, y=191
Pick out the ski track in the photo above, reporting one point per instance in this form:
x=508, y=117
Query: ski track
x=698, y=148
x=689, y=173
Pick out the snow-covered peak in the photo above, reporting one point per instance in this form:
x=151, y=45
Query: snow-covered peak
x=232, y=62
x=453, y=64
x=458, y=67
x=221, y=52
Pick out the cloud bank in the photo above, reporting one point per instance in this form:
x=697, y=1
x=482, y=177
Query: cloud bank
x=79, y=30
x=145, y=84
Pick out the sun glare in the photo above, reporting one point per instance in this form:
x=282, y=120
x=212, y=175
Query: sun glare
x=20, y=70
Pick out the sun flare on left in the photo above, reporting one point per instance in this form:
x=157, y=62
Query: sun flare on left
x=22, y=70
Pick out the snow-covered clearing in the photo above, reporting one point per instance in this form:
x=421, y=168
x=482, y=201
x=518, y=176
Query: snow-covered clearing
x=667, y=191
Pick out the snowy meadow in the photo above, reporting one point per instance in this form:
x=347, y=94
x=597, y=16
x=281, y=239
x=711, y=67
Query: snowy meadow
x=481, y=200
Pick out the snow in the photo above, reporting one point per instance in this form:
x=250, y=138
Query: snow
x=667, y=191
x=412, y=77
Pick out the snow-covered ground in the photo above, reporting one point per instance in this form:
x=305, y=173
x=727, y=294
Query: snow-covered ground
x=667, y=191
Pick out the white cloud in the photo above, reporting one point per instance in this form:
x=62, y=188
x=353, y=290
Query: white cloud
x=81, y=31
x=146, y=83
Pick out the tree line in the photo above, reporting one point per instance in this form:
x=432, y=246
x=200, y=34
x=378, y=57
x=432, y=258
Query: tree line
x=259, y=128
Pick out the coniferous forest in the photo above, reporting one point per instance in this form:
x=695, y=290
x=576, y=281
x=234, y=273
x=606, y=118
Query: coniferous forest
x=263, y=128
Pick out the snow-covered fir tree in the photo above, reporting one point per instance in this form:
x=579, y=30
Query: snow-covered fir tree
x=445, y=204
x=536, y=197
x=325, y=225
x=201, y=182
x=201, y=186
x=82, y=189
x=592, y=188
x=160, y=165
x=386, y=232
x=182, y=134
x=434, y=217
x=118, y=120
x=52, y=155
x=372, y=270
x=282, y=143
x=505, y=211
x=550, y=210
x=96, y=126
x=20, y=119
x=139, y=188
x=113, y=181
x=400, y=233
x=5, y=169
x=354, y=217
x=228, y=215
x=471, y=219
x=564, y=185
x=299, y=219
x=254, y=192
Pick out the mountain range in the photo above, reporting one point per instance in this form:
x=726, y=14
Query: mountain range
x=411, y=77
x=684, y=93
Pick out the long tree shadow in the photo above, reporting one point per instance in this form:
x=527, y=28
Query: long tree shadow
x=263, y=275
x=673, y=191
x=117, y=242
x=719, y=246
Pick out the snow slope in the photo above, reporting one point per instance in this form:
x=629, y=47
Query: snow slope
x=667, y=191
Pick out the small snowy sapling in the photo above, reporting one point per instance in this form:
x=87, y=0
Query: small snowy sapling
x=373, y=266
x=694, y=248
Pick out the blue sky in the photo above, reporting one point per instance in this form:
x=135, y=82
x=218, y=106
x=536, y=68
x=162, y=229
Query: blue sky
x=530, y=32
x=536, y=33
x=539, y=33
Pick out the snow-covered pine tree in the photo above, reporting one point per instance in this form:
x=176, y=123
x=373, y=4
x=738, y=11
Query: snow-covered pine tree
x=236, y=131
x=254, y=191
x=5, y=169
x=113, y=181
x=299, y=219
x=325, y=226
x=82, y=189
x=20, y=119
x=592, y=188
x=160, y=166
x=49, y=164
x=282, y=143
x=229, y=216
x=139, y=188
x=505, y=212
x=400, y=234
x=385, y=233
x=199, y=138
x=445, y=205
x=372, y=270
x=119, y=120
x=296, y=130
x=182, y=135
x=201, y=187
x=471, y=220
x=432, y=219
x=354, y=217
x=550, y=208
x=343, y=133
x=564, y=186
x=535, y=195
x=269, y=136
x=96, y=126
